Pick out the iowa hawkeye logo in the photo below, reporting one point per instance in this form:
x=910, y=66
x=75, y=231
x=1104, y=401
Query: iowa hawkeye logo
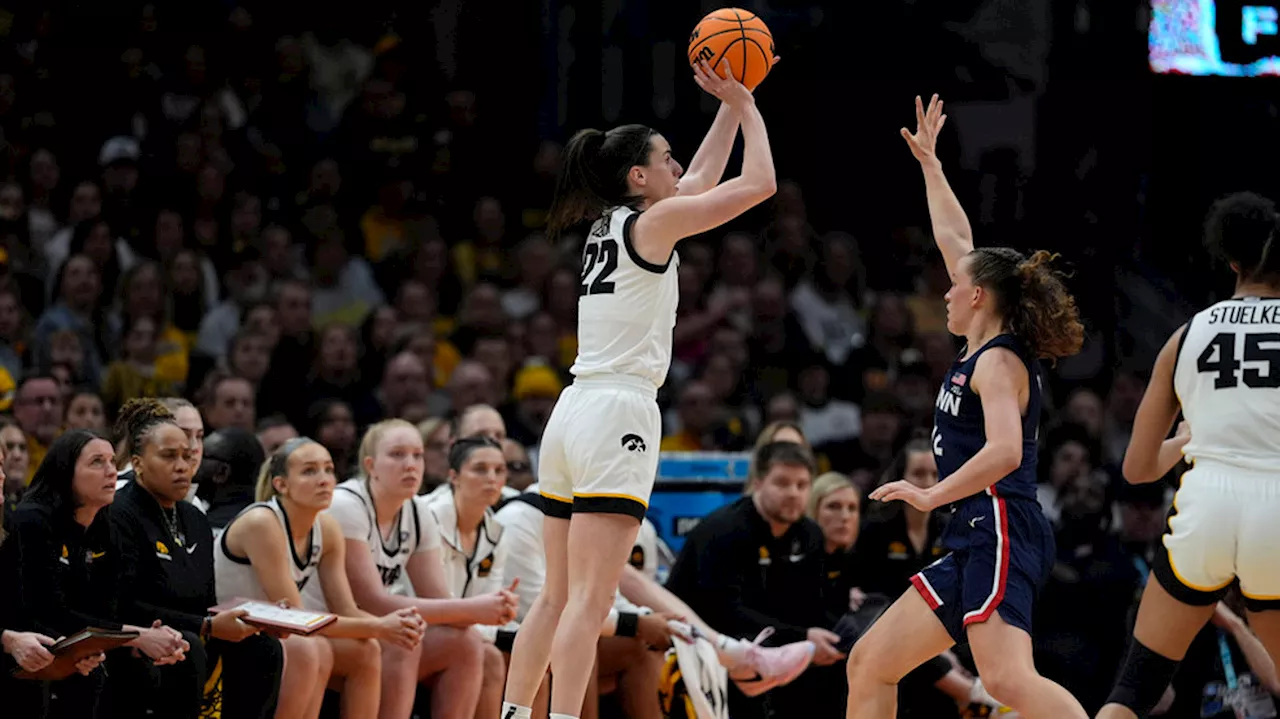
x=633, y=443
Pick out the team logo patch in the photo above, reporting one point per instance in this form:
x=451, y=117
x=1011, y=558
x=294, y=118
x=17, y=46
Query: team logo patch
x=486, y=566
x=637, y=557
x=160, y=548
x=633, y=443
x=897, y=550
x=764, y=560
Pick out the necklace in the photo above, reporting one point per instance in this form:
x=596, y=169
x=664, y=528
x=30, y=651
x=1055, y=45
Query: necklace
x=171, y=523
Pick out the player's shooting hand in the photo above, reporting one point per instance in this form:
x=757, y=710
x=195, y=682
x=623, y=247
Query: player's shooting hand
x=924, y=141
x=724, y=88
x=902, y=490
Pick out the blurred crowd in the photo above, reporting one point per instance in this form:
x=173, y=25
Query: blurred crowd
x=294, y=228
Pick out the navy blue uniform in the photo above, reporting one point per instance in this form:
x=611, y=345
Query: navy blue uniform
x=1000, y=545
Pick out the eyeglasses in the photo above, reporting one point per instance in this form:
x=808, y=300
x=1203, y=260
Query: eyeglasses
x=518, y=467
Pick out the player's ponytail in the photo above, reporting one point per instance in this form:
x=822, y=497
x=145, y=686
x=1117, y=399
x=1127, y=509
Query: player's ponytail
x=1032, y=299
x=1240, y=230
x=593, y=176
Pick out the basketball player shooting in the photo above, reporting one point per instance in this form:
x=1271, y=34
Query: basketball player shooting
x=599, y=454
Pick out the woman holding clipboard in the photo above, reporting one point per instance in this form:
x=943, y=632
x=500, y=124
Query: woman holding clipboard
x=273, y=549
x=166, y=547
x=63, y=573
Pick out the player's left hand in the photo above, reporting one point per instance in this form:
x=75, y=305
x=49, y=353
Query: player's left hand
x=724, y=88
x=905, y=491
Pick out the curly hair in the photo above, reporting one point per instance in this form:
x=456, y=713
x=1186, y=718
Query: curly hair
x=1032, y=299
x=1239, y=230
x=136, y=420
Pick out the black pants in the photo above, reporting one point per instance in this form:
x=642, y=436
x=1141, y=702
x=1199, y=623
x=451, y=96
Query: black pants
x=250, y=679
x=72, y=698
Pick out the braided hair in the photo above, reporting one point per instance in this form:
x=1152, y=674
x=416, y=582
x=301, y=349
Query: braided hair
x=136, y=420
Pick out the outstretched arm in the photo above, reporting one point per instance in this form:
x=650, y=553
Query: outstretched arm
x=667, y=222
x=951, y=228
x=707, y=166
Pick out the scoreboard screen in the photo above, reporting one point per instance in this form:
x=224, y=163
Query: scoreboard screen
x=1225, y=38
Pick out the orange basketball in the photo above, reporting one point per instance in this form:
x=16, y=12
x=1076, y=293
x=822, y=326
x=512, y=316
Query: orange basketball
x=739, y=36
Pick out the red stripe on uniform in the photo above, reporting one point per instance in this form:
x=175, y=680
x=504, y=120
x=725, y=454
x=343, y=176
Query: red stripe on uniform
x=922, y=585
x=988, y=607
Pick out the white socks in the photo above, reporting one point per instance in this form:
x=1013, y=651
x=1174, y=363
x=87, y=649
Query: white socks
x=563, y=716
x=511, y=711
x=732, y=652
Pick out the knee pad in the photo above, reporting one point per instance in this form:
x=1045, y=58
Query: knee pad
x=1143, y=679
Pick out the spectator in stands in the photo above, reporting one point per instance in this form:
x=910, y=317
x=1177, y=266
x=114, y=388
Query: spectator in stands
x=78, y=293
x=758, y=563
x=13, y=442
x=258, y=557
x=437, y=435
x=333, y=425
x=38, y=408
x=229, y=401
x=143, y=295
x=535, y=390
x=85, y=411
x=866, y=457
x=519, y=470
x=394, y=562
x=15, y=326
x=249, y=356
x=828, y=304
x=135, y=374
x=335, y=374
x=825, y=420
x=274, y=431
x=405, y=381
x=63, y=569
x=1068, y=453
x=471, y=383
x=151, y=524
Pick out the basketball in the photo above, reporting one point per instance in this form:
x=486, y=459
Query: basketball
x=739, y=36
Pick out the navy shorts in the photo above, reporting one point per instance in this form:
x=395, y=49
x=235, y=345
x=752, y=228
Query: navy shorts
x=1001, y=553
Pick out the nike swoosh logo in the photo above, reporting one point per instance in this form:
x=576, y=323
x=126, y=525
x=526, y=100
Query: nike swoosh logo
x=974, y=522
x=192, y=548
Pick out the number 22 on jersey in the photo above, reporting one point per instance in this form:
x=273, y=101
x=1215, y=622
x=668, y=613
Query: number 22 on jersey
x=599, y=261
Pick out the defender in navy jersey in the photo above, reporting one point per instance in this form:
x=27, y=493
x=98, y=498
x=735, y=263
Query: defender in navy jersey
x=1221, y=371
x=1013, y=311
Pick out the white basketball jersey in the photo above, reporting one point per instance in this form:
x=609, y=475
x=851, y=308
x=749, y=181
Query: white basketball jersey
x=415, y=532
x=1228, y=382
x=626, y=305
x=236, y=577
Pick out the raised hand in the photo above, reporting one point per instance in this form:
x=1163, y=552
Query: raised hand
x=924, y=140
x=726, y=89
